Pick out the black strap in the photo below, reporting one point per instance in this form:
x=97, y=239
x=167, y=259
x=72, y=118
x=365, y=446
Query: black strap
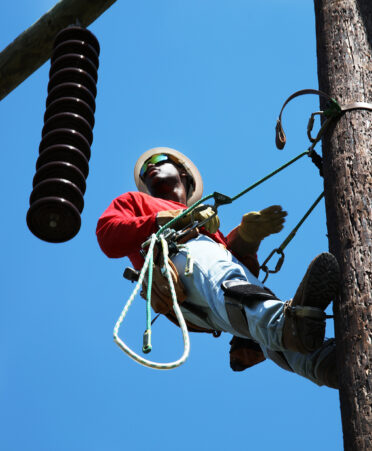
x=245, y=292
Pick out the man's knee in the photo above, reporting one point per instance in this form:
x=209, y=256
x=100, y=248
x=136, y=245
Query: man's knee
x=238, y=294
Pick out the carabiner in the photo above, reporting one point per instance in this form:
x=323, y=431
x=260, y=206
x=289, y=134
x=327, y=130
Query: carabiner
x=277, y=266
x=310, y=125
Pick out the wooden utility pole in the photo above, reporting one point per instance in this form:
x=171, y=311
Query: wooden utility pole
x=34, y=46
x=344, y=49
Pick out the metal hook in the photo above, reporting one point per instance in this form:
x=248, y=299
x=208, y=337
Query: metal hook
x=278, y=265
x=310, y=125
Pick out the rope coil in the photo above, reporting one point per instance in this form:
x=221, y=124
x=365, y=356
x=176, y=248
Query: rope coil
x=185, y=334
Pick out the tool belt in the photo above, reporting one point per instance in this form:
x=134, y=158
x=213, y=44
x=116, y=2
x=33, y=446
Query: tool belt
x=161, y=297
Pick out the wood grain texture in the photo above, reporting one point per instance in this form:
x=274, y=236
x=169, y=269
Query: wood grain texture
x=344, y=50
x=34, y=46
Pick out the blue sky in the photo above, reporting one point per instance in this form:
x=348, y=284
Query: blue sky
x=207, y=78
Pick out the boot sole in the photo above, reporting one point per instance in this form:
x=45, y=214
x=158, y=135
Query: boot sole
x=321, y=283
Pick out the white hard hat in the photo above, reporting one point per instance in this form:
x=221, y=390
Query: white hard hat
x=195, y=191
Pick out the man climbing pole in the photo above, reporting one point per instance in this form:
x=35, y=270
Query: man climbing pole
x=215, y=276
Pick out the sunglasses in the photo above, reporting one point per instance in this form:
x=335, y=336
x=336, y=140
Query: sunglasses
x=156, y=159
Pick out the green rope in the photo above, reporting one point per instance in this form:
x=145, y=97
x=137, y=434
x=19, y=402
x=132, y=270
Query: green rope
x=280, y=249
x=181, y=215
x=270, y=175
x=295, y=229
x=221, y=199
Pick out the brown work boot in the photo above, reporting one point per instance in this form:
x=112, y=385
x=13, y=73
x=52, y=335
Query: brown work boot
x=326, y=372
x=304, y=323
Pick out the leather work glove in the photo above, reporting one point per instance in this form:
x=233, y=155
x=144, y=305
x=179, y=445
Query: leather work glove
x=257, y=225
x=200, y=214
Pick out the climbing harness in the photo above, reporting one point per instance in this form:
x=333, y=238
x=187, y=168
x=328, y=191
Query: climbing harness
x=167, y=237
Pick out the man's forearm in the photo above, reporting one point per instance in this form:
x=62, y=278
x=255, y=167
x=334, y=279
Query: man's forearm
x=241, y=247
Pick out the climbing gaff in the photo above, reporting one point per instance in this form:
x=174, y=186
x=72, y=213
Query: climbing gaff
x=56, y=201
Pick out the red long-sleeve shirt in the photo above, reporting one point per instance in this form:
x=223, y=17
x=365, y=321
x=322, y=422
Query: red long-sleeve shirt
x=131, y=218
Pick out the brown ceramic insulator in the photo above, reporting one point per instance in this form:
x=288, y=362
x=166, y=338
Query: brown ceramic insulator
x=60, y=170
x=73, y=75
x=72, y=90
x=78, y=47
x=58, y=188
x=75, y=32
x=53, y=219
x=63, y=152
x=62, y=167
x=74, y=60
x=66, y=136
x=70, y=105
x=69, y=120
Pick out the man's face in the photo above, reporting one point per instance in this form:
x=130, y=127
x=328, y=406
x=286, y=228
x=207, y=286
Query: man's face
x=162, y=178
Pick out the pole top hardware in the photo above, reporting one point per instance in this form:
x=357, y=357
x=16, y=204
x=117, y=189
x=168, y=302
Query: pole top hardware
x=333, y=110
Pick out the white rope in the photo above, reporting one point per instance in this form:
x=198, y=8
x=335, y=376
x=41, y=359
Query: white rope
x=185, y=334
